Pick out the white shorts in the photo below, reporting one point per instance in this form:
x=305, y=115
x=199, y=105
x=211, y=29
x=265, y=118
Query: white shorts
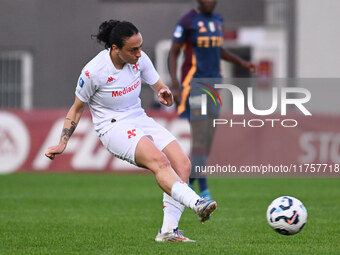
x=122, y=139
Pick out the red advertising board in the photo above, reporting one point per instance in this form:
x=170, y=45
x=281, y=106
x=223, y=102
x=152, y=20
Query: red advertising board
x=24, y=137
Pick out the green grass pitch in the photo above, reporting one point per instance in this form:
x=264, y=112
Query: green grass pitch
x=121, y=214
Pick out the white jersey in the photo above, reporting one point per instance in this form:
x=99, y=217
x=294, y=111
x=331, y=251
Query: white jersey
x=111, y=93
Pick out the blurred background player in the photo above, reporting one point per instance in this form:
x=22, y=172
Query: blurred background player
x=199, y=33
x=110, y=84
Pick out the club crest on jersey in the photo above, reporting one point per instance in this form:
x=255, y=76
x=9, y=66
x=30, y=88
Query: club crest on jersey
x=202, y=30
x=87, y=74
x=110, y=79
x=135, y=67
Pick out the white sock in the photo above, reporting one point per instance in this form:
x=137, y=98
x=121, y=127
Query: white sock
x=182, y=193
x=172, y=213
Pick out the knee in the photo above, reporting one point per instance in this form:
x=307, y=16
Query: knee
x=161, y=162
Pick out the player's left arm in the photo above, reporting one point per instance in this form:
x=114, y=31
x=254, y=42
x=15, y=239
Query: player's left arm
x=228, y=56
x=163, y=92
x=151, y=77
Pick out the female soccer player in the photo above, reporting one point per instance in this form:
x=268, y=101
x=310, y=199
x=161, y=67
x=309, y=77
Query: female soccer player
x=110, y=84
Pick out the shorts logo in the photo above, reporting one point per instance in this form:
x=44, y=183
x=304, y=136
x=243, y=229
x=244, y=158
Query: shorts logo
x=131, y=133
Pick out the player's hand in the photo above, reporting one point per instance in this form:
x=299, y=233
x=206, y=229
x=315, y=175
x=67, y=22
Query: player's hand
x=250, y=66
x=165, y=97
x=51, y=152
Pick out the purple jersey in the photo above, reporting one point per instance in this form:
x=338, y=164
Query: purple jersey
x=202, y=38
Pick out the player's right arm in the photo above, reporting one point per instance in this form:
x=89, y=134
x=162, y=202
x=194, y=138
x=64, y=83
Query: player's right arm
x=228, y=56
x=70, y=124
x=173, y=58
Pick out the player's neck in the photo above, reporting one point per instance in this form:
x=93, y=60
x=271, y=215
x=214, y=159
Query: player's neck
x=199, y=10
x=117, y=61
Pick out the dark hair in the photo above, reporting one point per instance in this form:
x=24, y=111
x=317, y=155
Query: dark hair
x=115, y=32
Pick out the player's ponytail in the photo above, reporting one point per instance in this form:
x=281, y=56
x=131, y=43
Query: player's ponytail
x=115, y=32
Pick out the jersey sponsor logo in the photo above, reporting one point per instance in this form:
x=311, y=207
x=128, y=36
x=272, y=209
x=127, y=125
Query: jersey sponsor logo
x=209, y=41
x=87, y=74
x=131, y=133
x=126, y=90
x=81, y=82
x=110, y=79
x=178, y=31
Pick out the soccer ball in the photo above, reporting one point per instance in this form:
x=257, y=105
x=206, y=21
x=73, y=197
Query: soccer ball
x=287, y=215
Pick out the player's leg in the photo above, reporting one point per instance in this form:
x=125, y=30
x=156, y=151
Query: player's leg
x=202, y=130
x=178, y=160
x=171, y=208
x=199, y=153
x=172, y=157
